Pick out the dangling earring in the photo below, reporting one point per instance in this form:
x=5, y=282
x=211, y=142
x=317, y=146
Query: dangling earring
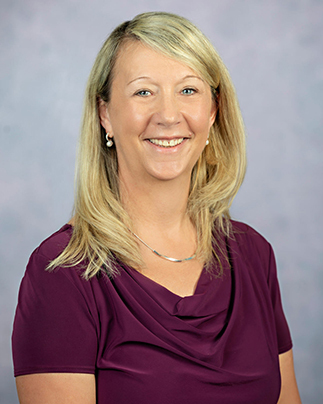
x=109, y=141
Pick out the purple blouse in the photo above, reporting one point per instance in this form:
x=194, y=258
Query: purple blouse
x=146, y=344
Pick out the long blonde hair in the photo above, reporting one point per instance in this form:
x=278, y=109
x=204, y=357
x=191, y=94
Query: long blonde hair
x=101, y=228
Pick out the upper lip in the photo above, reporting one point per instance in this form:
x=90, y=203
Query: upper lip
x=167, y=138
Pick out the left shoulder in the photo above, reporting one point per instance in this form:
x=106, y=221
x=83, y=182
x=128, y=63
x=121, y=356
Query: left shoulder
x=250, y=243
x=244, y=232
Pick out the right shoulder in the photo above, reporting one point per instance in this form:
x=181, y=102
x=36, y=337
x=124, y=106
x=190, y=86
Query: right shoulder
x=55, y=244
x=46, y=252
x=57, y=320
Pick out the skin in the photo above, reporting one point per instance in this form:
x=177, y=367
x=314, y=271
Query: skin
x=56, y=388
x=152, y=97
x=155, y=97
x=289, y=393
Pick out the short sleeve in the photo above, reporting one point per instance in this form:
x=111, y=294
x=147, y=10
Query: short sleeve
x=283, y=334
x=259, y=253
x=54, y=327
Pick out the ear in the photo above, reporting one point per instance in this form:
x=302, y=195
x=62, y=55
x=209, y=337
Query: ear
x=104, y=115
x=214, y=110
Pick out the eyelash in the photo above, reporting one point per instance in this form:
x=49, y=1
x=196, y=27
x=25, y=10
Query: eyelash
x=139, y=93
x=193, y=91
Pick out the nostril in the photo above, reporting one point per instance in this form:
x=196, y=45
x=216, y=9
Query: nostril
x=168, y=113
x=168, y=122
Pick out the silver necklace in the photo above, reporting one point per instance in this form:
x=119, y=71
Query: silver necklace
x=162, y=255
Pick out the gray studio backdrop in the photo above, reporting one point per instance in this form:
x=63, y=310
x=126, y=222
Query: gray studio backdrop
x=273, y=50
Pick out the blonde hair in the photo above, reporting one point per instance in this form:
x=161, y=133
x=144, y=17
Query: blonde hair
x=101, y=229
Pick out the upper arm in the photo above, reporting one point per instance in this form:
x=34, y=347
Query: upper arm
x=56, y=388
x=55, y=326
x=289, y=392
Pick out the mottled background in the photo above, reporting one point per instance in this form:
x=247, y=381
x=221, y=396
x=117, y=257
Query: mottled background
x=274, y=52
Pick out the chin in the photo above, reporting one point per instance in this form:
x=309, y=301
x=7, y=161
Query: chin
x=170, y=174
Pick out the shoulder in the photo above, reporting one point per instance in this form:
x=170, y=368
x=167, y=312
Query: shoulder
x=57, y=319
x=245, y=231
x=244, y=234
x=250, y=245
x=55, y=244
x=47, y=251
x=57, y=288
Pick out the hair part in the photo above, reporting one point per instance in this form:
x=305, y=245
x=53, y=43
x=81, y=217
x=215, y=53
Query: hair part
x=101, y=229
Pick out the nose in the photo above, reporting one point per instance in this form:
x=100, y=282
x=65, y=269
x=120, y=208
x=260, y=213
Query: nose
x=167, y=111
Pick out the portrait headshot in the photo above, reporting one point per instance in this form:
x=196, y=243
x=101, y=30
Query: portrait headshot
x=161, y=202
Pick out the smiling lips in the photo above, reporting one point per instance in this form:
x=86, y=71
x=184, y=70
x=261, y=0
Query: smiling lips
x=166, y=143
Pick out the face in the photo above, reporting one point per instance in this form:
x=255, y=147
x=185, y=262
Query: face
x=159, y=114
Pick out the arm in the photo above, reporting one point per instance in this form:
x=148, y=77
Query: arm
x=56, y=388
x=289, y=392
x=54, y=332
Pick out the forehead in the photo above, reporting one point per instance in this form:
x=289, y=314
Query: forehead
x=135, y=57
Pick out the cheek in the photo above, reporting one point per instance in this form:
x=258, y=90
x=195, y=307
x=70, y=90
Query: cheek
x=202, y=112
x=128, y=119
x=202, y=120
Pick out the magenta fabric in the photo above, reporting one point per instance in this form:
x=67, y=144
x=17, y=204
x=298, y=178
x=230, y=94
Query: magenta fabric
x=147, y=345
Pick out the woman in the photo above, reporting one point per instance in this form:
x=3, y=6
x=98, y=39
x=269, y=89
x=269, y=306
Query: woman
x=152, y=294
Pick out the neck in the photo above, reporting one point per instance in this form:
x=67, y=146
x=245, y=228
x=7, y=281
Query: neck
x=158, y=211
x=156, y=205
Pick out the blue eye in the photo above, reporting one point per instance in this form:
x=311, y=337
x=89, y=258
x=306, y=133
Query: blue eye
x=143, y=93
x=188, y=91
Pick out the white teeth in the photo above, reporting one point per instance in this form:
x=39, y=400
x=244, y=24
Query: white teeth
x=167, y=143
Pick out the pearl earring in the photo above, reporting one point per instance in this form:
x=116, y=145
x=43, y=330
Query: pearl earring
x=207, y=142
x=109, y=141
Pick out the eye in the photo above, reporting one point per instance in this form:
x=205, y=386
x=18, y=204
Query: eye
x=143, y=93
x=189, y=91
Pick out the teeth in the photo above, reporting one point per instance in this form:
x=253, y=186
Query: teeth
x=167, y=143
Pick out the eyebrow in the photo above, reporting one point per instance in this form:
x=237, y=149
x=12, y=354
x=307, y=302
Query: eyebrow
x=138, y=78
x=149, y=78
x=192, y=77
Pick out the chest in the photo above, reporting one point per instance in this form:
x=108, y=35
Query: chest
x=212, y=345
x=180, y=278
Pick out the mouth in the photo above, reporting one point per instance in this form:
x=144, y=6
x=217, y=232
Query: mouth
x=166, y=143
